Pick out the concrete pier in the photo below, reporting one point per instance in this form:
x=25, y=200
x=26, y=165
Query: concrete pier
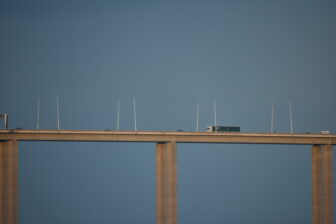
x=9, y=182
x=166, y=183
x=322, y=185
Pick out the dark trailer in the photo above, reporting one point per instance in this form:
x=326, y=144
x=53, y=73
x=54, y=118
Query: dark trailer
x=222, y=129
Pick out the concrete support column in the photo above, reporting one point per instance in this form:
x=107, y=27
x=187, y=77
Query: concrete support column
x=322, y=185
x=166, y=183
x=328, y=196
x=316, y=185
x=9, y=182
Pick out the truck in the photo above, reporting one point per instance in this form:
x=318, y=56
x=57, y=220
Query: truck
x=222, y=129
x=324, y=132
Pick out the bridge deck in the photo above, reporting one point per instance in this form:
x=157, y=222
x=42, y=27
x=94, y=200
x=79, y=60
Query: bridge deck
x=166, y=136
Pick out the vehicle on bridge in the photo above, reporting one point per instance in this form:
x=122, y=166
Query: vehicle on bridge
x=324, y=132
x=222, y=129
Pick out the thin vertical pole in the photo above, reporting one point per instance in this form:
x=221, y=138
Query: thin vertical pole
x=6, y=121
x=38, y=114
x=135, y=118
x=290, y=117
x=4, y=117
x=118, y=114
x=58, y=117
x=215, y=113
x=272, y=118
x=197, y=115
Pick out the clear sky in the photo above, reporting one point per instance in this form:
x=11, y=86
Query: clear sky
x=169, y=54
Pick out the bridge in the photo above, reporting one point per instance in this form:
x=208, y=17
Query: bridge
x=166, y=172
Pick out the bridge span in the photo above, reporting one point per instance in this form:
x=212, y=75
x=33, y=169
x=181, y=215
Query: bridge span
x=166, y=136
x=166, y=171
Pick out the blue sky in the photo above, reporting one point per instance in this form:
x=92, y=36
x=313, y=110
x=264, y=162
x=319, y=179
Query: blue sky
x=245, y=54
